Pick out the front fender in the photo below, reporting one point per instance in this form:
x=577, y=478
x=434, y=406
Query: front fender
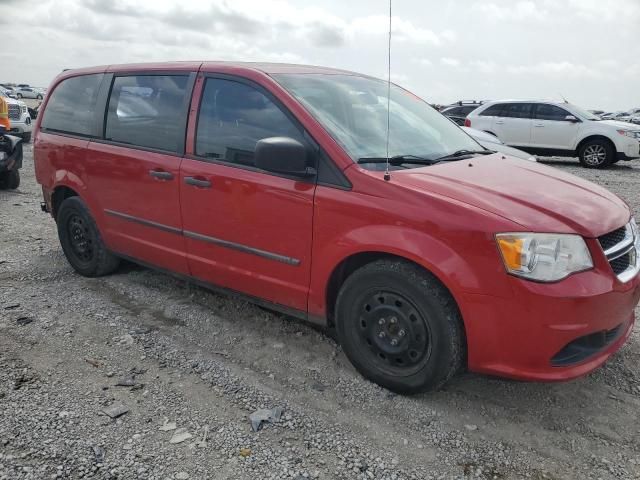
x=465, y=262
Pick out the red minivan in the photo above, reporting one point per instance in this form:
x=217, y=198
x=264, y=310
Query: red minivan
x=270, y=181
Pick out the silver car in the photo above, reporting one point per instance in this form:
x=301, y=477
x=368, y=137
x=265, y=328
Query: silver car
x=29, y=92
x=493, y=143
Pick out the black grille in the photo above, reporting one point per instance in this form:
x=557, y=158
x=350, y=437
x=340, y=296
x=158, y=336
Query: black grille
x=611, y=239
x=14, y=112
x=620, y=264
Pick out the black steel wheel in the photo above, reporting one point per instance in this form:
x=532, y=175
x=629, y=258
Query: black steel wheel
x=394, y=331
x=399, y=326
x=81, y=240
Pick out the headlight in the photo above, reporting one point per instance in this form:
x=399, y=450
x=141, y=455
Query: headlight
x=543, y=257
x=629, y=133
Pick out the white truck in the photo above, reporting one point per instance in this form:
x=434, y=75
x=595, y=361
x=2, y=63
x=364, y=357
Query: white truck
x=21, y=124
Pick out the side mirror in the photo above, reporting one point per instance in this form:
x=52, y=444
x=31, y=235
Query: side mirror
x=571, y=118
x=283, y=155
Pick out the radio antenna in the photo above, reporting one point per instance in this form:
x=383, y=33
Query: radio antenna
x=387, y=175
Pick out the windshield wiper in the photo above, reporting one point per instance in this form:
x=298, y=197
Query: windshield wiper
x=464, y=153
x=399, y=160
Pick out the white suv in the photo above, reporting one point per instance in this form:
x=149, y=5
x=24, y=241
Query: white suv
x=560, y=129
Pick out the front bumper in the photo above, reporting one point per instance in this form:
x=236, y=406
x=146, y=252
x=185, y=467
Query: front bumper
x=629, y=150
x=522, y=337
x=21, y=127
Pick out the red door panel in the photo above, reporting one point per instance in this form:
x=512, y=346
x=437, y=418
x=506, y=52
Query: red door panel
x=248, y=231
x=138, y=192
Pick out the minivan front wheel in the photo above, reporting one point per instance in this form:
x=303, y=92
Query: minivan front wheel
x=596, y=154
x=399, y=326
x=81, y=241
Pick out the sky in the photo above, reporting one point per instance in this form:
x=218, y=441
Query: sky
x=587, y=51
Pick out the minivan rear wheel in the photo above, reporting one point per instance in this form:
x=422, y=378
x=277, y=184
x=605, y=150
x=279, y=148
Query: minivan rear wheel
x=596, y=153
x=81, y=240
x=399, y=326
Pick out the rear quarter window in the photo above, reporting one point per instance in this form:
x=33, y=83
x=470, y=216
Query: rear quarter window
x=71, y=106
x=492, y=111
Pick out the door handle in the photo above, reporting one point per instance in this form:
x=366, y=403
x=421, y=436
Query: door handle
x=499, y=122
x=538, y=125
x=161, y=174
x=198, y=182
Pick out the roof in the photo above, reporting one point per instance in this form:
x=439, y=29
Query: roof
x=264, y=67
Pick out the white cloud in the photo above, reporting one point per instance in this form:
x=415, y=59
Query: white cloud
x=512, y=10
x=450, y=62
x=556, y=69
x=402, y=30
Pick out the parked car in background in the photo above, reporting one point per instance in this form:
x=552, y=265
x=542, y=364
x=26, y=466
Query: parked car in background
x=458, y=111
x=29, y=92
x=492, y=142
x=596, y=112
x=425, y=252
x=20, y=119
x=619, y=116
x=558, y=129
x=10, y=160
x=5, y=92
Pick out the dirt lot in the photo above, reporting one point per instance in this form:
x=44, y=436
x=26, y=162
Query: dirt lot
x=204, y=362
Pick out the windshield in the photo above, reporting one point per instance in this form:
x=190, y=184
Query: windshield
x=354, y=111
x=584, y=114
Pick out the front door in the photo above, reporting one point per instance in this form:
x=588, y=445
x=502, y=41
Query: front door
x=551, y=129
x=135, y=171
x=245, y=229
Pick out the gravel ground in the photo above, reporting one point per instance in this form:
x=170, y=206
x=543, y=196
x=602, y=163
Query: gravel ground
x=195, y=365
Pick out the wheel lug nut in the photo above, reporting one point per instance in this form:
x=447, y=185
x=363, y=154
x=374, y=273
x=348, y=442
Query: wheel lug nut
x=401, y=333
x=381, y=335
x=394, y=342
x=393, y=320
x=381, y=321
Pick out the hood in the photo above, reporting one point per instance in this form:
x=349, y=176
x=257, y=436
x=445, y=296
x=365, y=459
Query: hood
x=619, y=124
x=538, y=198
x=12, y=101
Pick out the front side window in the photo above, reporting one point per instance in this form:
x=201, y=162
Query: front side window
x=516, y=110
x=550, y=112
x=146, y=111
x=233, y=117
x=71, y=106
x=353, y=109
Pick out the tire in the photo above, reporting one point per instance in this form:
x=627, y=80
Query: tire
x=19, y=96
x=26, y=138
x=596, y=153
x=81, y=240
x=394, y=300
x=13, y=179
x=39, y=97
